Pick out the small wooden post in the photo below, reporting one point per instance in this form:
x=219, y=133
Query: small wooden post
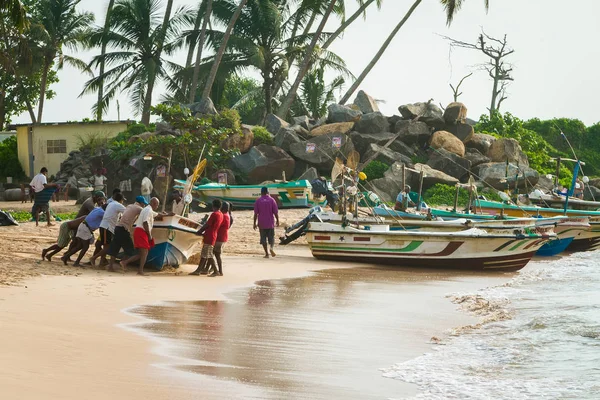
x=556, y=177
x=456, y=198
x=403, y=177
x=470, y=196
x=421, y=176
x=164, y=204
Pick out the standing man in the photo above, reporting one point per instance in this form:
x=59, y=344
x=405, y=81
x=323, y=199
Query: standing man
x=210, y=231
x=107, y=228
x=99, y=180
x=178, y=203
x=123, y=231
x=266, y=214
x=142, y=235
x=39, y=184
x=222, y=238
x=146, y=188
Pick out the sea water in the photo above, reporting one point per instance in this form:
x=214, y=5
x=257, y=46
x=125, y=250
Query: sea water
x=539, y=337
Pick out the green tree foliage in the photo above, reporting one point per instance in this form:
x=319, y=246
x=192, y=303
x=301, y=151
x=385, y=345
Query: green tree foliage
x=262, y=136
x=316, y=94
x=375, y=170
x=443, y=195
x=9, y=159
x=244, y=95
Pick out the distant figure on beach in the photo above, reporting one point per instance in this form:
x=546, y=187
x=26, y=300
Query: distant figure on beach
x=403, y=200
x=178, y=204
x=65, y=234
x=95, y=200
x=112, y=198
x=210, y=231
x=123, y=232
x=142, y=235
x=579, y=187
x=222, y=237
x=266, y=217
x=99, y=180
x=146, y=188
x=43, y=192
x=85, y=235
x=107, y=228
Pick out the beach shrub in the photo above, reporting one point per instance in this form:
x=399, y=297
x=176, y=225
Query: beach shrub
x=375, y=170
x=262, y=136
x=443, y=195
x=228, y=119
x=9, y=159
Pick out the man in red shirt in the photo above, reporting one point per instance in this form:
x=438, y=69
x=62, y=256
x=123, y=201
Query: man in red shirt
x=222, y=237
x=210, y=230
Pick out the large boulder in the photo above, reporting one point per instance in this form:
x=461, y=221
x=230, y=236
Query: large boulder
x=507, y=149
x=476, y=157
x=242, y=142
x=273, y=124
x=455, y=113
x=164, y=128
x=324, y=153
x=545, y=183
x=327, y=129
x=431, y=177
x=203, y=107
x=303, y=121
x=591, y=193
x=427, y=112
x=362, y=141
x=264, y=163
x=446, y=140
x=309, y=175
x=285, y=138
x=412, y=132
x=229, y=173
x=480, y=141
x=374, y=122
x=385, y=155
x=450, y=163
x=300, y=131
x=494, y=174
x=340, y=113
x=594, y=182
x=462, y=131
x=366, y=103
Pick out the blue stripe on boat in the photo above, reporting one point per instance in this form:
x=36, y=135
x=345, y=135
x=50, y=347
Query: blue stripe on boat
x=554, y=247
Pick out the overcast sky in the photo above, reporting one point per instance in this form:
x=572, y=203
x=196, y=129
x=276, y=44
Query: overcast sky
x=556, y=59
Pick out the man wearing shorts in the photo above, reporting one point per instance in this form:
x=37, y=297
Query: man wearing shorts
x=142, y=235
x=222, y=237
x=107, y=228
x=123, y=230
x=85, y=235
x=210, y=230
x=266, y=217
x=65, y=233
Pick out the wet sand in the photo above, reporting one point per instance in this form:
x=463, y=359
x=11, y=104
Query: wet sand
x=65, y=333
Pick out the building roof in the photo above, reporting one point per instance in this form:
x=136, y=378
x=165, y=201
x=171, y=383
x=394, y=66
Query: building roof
x=128, y=121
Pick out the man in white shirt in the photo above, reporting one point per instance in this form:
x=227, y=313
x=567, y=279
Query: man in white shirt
x=146, y=188
x=107, y=228
x=41, y=200
x=99, y=180
x=40, y=181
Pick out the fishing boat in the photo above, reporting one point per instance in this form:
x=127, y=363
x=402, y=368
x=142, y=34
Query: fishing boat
x=175, y=240
x=473, y=248
x=295, y=194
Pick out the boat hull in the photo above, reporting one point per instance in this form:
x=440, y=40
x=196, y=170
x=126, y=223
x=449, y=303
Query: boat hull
x=175, y=241
x=473, y=249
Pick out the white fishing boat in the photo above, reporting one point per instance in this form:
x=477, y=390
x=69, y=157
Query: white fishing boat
x=473, y=248
x=175, y=241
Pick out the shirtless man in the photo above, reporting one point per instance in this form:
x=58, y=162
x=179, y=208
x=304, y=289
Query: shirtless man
x=65, y=233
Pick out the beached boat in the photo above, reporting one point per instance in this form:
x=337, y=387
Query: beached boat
x=470, y=249
x=175, y=240
x=296, y=194
x=558, y=201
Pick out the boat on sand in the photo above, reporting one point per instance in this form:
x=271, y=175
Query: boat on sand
x=175, y=241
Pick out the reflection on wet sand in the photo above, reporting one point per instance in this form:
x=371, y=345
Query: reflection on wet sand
x=319, y=337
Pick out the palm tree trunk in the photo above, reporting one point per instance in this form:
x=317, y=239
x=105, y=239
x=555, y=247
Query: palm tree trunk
x=43, y=84
x=157, y=58
x=215, y=67
x=193, y=43
x=2, y=109
x=99, y=106
x=347, y=23
x=194, y=87
x=375, y=59
x=289, y=98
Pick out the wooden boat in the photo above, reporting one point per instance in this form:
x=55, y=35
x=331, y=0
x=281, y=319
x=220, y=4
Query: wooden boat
x=296, y=194
x=470, y=249
x=175, y=240
x=558, y=201
x=586, y=240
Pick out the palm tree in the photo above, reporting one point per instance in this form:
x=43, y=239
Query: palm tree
x=450, y=6
x=221, y=50
x=100, y=109
x=315, y=94
x=16, y=13
x=137, y=46
x=64, y=26
x=289, y=98
x=201, y=40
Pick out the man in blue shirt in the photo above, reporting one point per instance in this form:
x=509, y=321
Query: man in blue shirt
x=403, y=200
x=85, y=235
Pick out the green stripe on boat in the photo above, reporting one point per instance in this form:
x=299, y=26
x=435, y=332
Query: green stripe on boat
x=411, y=246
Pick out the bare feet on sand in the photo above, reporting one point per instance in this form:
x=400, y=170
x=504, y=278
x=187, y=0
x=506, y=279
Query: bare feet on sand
x=273, y=253
x=64, y=260
x=142, y=273
x=49, y=258
x=50, y=224
x=77, y=265
x=266, y=256
x=93, y=262
x=44, y=254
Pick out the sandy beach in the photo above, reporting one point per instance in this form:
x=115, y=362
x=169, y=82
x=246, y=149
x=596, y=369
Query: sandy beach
x=67, y=333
